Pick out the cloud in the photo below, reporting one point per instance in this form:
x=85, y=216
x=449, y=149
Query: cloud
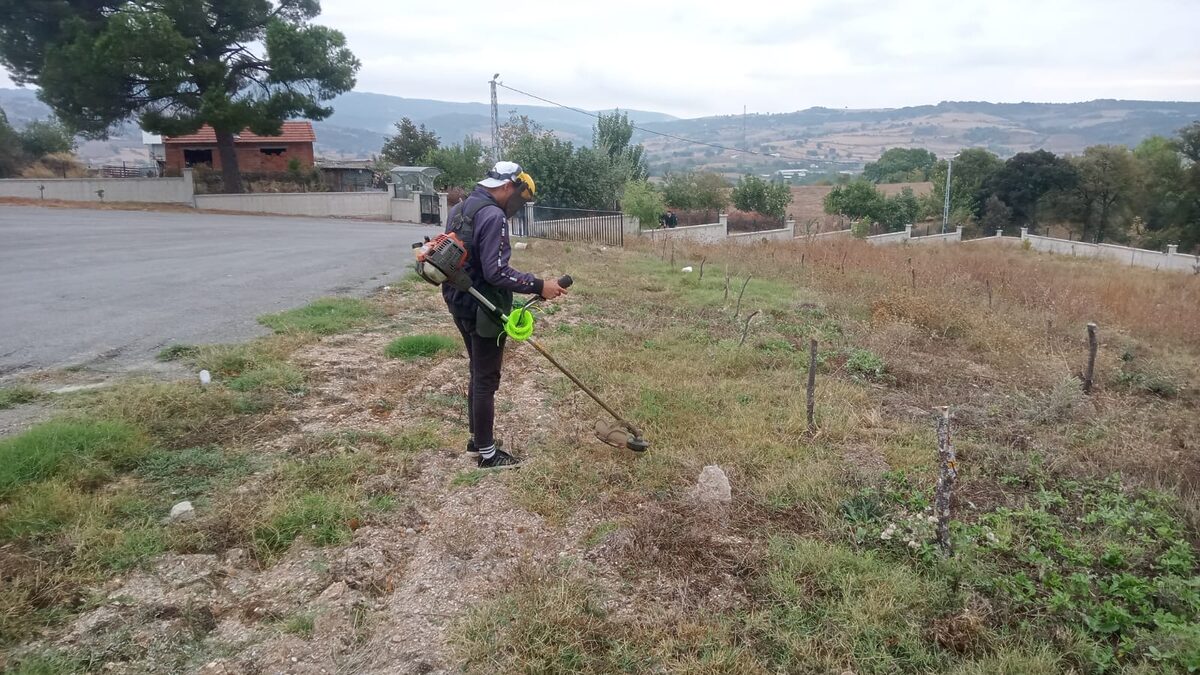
x=704, y=58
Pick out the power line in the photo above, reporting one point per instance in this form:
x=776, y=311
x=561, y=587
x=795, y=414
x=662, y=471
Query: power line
x=659, y=133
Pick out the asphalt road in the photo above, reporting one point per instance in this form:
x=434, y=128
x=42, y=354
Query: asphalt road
x=109, y=289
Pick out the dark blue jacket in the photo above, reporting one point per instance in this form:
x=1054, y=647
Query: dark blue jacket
x=490, y=253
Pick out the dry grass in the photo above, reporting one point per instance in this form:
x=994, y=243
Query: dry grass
x=663, y=347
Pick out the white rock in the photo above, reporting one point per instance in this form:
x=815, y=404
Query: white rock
x=712, y=487
x=686, y=269
x=205, y=377
x=521, y=245
x=181, y=512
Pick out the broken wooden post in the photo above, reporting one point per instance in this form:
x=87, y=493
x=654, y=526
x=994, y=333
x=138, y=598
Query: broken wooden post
x=672, y=254
x=1090, y=373
x=746, y=330
x=947, y=474
x=914, y=278
x=702, y=261
x=989, y=292
x=726, y=284
x=743, y=292
x=812, y=384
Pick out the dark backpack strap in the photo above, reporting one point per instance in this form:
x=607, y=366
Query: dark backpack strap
x=464, y=222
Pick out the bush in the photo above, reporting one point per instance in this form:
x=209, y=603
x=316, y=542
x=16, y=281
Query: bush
x=644, y=202
x=416, y=346
x=866, y=364
x=754, y=194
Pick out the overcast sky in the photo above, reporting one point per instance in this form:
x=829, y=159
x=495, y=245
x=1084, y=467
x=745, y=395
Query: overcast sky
x=705, y=58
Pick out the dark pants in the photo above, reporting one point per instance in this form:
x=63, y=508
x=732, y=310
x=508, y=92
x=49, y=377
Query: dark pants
x=487, y=355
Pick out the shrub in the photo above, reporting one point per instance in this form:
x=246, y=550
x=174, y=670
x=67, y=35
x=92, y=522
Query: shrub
x=18, y=395
x=866, y=364
x=61, y=447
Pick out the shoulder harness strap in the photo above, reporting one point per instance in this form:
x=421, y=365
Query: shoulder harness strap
x=464, y=221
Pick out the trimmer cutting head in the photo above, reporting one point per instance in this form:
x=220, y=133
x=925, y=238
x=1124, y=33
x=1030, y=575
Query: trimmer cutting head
x=618, y=436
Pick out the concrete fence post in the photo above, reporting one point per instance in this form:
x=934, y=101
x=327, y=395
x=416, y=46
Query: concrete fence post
x=1024, y=233
x=908, y=232
x=723, y=219
x=958, y=233
x=790, y=223
x=999, y=232
x=189, y=187
x=1172, y=249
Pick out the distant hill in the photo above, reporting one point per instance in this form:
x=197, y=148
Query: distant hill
x=832, y=138
x=358, y=125
x=822, y=137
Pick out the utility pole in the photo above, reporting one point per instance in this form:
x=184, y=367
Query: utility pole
x=946, y=208
x=495, y=122
x=745, y=148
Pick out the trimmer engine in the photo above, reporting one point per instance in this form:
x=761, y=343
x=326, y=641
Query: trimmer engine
x=443, y=260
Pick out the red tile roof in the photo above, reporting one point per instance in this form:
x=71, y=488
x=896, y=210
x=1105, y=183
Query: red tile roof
x=292, y=132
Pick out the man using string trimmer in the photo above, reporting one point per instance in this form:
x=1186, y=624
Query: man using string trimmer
x=481, y=222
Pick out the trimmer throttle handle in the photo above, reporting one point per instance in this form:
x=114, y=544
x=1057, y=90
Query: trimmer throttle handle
x=565, y=281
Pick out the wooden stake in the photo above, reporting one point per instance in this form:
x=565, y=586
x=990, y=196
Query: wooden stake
x=746, y=330
x=743, y=291
x=726, y=284
x=914, y=278
x=702, y=261
x=812, y=384
x=989, y=291
x=842, y=267
x=947, y=475
x=672, y=254
x=1093, y=345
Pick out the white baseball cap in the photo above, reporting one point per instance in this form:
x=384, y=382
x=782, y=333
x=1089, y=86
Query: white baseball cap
x=501, y=173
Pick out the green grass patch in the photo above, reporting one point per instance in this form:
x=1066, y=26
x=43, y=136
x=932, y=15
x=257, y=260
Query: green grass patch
x=65, y=448
x=174, y=414
x=323, y=317
x=192, y=472
x=281, y=376
x=323, y=518
x=469, y=478
x=47, y=663
x=10, y=397
x=177, y=352
x=417, y=346
x=599, y=532
x=300, y=624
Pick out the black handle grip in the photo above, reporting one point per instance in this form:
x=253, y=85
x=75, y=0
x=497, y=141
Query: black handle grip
x=565, y=281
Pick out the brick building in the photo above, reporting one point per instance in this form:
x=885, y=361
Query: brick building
x=255, y=153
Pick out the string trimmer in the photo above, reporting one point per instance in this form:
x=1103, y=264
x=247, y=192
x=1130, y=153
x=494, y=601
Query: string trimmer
x=443, y=260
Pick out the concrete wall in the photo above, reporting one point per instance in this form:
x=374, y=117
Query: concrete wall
x=709, y=233
x=321, y=204
x=149, y=190
x=1137, y=257
x=892, y=237
x=827, y=236
x=406, y=209
x=783, y=234
x=948, y=238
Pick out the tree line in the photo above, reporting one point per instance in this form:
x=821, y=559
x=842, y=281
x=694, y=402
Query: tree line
x=1148, y=195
